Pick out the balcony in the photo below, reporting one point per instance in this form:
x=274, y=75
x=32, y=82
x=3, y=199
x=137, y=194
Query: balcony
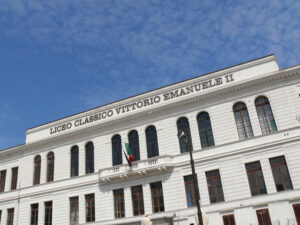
x=140, y=168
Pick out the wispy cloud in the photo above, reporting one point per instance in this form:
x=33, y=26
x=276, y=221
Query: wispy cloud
x=139, y=41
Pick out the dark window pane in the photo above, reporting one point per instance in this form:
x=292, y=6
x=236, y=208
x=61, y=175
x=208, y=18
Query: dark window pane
x=34, y=214
x=74, y=160
x=117, y=150
x=214, y=186
x=37, y=170
x=137, y=200
x=183, y=126
x=133, y=138
x=48, y=213
x=189, y=190
x=2, y=180
x=119, y=203
x=263, y=217
x=297, y=212
x=281, y=174
x=50, y=167
x=14, y=178
x=157, y=197
x=152, y=144
x=265, y=115
x=255, y=178
x=242, y=120
x=90, y=207
x=10, y=216
x=229, y=220
x=205, y=130
x=89, y=158
x=74, y=211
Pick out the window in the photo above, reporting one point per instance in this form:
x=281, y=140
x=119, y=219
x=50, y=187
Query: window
x=229, y=219
x=152, y=144
x=189, y=190
x=281, y=174
x=133, y=138
x=0, y=215
x=34, y=214
x=265, y=115
x=205, y=130
x=48, y=213
x=90, y=207
x=74, y=211
x=214, y=186
x=263, y=217
x=157, y=197
x=37, y=170
x=116, y=150
x=10, y=216
x=89, y=158
x=184, y=126
x=242, y=120
x=137, y=200
x=297, y=212
x=119, y=203
x=74, y=161
x=14, y=178
x=50, y=167
x=256, y=178
x=2, y=180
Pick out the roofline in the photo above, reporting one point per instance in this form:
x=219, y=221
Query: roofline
x=15, y=146
x=153, y=90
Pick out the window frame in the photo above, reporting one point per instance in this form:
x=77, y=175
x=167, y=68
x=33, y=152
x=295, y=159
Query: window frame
x=90, y=206
x=296, y=211
x=3, y=174
x=48, y=213
x=244, y=122
x=10, y=216
x=184, y=125
x=152, y=142
x=37, y=170
x=189, y=180
x=267, y=214
x=74, y=204
x=160, y=204
x=254, y=170
x=215, y=186
x=74, y=161
x=50, y=167
x=89, y=158
x=116, y=144
x=120, y=201
x=34, y=215
x=208, y=140
x=139, y=198
x=14, y=178
x=228, y=217
x=134, y=143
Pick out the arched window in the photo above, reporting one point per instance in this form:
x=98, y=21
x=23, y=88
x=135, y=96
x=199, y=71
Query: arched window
x=89, y=157
x=242, y=120
x=50, y=167
x=116, y=150
x=184, y=126
x=133, y=139
x=37, y=170
x=205, y=130
x=152, y=144
x=74, y=161
x=265, y=115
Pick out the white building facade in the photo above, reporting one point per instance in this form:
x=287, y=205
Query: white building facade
x=242, y=123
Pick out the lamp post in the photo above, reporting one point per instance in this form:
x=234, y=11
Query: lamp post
x=194, y=175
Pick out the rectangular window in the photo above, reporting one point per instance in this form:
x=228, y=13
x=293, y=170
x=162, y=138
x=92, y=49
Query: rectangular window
x=48, y=213
x=10, y=216
x=263, y=217
x=281, y=173
x=157, y=197
x=34, y=214
x=90, y=207
x=74, y=211
x=14, y=178
x=214, y=186
x=137, y=200
x=297, y=212
x=256, y=178
x=119, y=203
x=0, y=215
x=229, y=219
x=189, y=190
x=2, y=180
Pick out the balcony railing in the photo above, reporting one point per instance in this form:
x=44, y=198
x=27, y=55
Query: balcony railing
x=139, y=168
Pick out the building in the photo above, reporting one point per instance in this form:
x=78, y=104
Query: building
x=242, y=122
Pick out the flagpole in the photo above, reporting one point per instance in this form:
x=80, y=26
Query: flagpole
x=194, y=175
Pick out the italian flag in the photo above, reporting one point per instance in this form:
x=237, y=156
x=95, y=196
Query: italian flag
x=129, y=153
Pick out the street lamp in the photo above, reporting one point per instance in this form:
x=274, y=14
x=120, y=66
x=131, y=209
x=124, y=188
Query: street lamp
x=182, y=134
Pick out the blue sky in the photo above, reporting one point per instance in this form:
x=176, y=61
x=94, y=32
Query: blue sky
x=61, y=57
